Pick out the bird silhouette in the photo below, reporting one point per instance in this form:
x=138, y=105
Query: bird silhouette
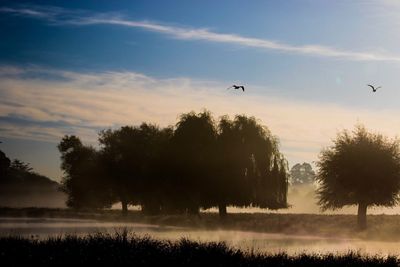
x=236, y=87
x=374, y=88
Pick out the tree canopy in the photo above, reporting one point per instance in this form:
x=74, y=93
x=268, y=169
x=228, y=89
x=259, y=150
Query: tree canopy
x=301, y=174
x=4, y=165
x=83, y=179
x=361, y=168
x=199, y=163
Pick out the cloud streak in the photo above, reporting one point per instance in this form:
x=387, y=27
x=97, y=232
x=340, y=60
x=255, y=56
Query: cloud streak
x=54, y=103
x=60, y=16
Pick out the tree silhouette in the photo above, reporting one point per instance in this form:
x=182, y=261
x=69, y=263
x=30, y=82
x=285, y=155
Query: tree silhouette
x=263, y=166
x=194, y=144
x=359, y=169
x=251, y=171
x=4, y=165
x=83, y=175
x=18, y=165
x=197, y=164
x=120, y=155
x=130, y=156
x=156, y=166
x=302, y=174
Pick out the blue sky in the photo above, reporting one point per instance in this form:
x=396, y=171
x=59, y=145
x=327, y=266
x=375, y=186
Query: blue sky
x=75, y=67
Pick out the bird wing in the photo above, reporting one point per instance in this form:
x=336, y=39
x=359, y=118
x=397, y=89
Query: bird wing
x=373, y=88
x=229, y=87
x=378, y=87
x=242, y=88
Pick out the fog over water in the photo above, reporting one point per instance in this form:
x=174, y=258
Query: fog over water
x=249, y=241
x=303, y=199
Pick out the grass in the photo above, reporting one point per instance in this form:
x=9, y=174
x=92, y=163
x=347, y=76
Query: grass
x=122, y=248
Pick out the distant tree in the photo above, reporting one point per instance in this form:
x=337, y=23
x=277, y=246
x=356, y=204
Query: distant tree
x=19, y=165
x=302, y=174
x=83, y=179
x=20, y=171
x=361, y=169
x=4, y=165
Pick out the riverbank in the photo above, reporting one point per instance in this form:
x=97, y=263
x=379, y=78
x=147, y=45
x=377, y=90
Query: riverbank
x=380, y=227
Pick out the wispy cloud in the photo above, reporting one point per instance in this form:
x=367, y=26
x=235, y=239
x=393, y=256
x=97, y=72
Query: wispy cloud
x=26, y=12
x=55, y=103
x=57, y=15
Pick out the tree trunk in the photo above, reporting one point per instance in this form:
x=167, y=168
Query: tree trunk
x=194, y=210
x=124, y=204
x=151, y=208
x=222, y=210
x=362, y=216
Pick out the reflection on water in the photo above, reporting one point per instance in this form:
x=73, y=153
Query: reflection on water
x=262, y=242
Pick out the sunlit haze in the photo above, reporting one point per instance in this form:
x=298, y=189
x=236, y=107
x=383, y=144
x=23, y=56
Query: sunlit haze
x=71, y=68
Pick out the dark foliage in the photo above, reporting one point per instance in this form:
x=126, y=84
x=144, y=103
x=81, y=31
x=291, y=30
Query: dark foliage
x=18, y=178
x=84, y=180
x=144, y=251
x=301, y=174
x=197, y=164
x=132, y=158
x=359, y=169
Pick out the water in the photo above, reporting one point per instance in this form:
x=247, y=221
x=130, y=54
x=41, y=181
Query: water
x=249, y=241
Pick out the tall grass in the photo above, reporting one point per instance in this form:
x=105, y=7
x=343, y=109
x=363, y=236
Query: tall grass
x=122, y=248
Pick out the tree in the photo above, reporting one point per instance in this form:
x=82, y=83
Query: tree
x=264, y=168
x=120, y=157
x=83, y=179
x=193, y=144
x=18, y=165
x=156, y=164
x=361, y=169
x=251, y=170
x=302, y=174
x=4, y=165
x=199, y=164
x=132, y=158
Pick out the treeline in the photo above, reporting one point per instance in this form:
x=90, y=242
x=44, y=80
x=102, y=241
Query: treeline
x=21, y=186
x=18, y=176
x=198, y=163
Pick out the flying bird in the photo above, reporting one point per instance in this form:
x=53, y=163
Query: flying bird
x=374, y=88
x=236, y=87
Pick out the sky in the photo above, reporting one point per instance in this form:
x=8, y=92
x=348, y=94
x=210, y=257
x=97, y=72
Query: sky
x=77, y=67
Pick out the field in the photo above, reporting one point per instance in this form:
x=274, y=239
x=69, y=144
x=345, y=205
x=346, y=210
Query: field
x=123, y=248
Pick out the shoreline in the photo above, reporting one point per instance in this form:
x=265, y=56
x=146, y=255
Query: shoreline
x=380, y=227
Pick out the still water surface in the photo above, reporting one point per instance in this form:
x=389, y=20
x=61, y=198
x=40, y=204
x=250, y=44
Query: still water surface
x=261, y=242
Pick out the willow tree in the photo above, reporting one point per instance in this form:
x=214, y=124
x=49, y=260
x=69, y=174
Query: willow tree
x=252, y=170
x=361, y=168
x=264, y=167
x=193, y=149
